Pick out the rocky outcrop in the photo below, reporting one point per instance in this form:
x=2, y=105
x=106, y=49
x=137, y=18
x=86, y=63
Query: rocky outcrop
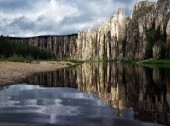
x=139, y=38
x=105, y=42
x=146, y=30
x=64, y=47
x=137, y=46
x=146, y=35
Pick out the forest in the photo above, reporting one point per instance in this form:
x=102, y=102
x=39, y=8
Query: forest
x=16, y=51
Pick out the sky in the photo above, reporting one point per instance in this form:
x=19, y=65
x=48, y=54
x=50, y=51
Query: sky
x=24, y=18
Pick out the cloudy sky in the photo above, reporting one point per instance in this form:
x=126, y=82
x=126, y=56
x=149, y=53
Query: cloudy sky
x=44, y=17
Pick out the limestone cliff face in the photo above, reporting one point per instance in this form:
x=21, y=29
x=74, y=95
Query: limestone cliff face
x=147, y=30
x=104, y=42
x=64, y=47
x=142, y=18
x=146, y=35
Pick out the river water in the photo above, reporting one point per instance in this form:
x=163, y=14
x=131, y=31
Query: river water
x=92, y=94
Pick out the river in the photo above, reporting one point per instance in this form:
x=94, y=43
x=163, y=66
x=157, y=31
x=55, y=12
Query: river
x=90, y=94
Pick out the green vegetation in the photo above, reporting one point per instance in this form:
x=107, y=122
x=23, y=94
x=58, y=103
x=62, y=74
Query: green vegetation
x=161, y=63
x=69, y=63
x=73, y=63
x=150, y=37
x=21, y=52
x=77, y=61
x=154, y=37
x=156, y=61
x=123, y=43
x=129, y=61
x=150, y=62
x=18, y=58
x=142, y=11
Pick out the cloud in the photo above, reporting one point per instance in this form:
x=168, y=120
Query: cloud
x=43, y=17
x=15, y=5
x=22, y=23
x=124, y=1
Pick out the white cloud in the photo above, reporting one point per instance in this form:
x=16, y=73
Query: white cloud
x=37, y=17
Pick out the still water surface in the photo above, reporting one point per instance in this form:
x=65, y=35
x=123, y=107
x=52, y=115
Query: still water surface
x=93, y=94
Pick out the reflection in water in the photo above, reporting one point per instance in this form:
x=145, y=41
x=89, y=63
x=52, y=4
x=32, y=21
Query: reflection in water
x=29, y=105
x=137, y=92
x=59, y=78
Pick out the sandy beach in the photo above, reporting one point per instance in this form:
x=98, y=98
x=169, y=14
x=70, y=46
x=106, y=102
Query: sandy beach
x=13, y=72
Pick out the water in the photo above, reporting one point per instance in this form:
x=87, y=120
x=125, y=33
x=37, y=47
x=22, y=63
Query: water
x=93, y=94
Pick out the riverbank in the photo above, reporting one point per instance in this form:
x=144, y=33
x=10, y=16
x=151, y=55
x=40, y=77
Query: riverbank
x=15, y=72
x=149, y=62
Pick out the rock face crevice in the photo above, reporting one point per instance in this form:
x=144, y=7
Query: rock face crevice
x=145, y=35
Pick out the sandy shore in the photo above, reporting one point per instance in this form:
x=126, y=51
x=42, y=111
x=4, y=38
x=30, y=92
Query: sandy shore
x=13, y=72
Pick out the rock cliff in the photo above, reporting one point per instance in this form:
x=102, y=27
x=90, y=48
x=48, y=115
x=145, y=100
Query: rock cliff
x=145, y=35
x=104, y=42
x=64, y=47
x=146, y=31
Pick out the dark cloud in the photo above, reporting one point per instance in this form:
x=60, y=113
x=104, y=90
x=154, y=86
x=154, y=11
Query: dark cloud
x=15, y=5
x=22, y=23
x=67, y=25
x=84, y=18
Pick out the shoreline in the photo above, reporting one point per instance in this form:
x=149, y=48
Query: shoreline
x=16, y=72
x=159, y=63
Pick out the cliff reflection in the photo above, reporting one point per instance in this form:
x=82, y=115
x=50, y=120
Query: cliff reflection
x=60, y=78
x=137, y=92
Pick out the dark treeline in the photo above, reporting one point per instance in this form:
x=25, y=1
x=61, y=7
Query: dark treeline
x=9, y=49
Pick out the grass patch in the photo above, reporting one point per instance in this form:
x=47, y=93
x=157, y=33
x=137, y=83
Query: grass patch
x=129, y=61
x=149, y=63
x=16, y=58
x=77, y=61
x=69, y=63
x=72, y=63
x=100, y=61
x=155, y=61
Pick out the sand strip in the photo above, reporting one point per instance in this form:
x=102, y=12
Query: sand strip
x=13, y=72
